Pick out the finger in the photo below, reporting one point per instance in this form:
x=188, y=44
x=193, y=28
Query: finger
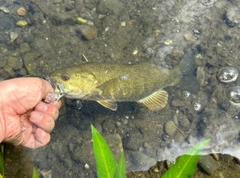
x=41, y=138
x=42, y=120
x=37, y=139
x=50, y=109
x=47, y=87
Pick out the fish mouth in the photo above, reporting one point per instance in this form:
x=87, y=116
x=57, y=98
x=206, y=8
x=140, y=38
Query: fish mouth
x=60, y=88
x=55, y=85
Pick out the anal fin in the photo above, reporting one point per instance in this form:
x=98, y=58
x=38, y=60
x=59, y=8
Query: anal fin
x=108, y=104
x=156, y=100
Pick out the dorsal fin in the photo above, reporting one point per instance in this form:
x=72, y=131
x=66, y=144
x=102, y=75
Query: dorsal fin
x=155, y=101
x=108, y=104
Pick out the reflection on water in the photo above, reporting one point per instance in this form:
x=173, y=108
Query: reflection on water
x=53, y=34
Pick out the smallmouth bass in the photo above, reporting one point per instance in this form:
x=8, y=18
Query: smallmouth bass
x=109, y=83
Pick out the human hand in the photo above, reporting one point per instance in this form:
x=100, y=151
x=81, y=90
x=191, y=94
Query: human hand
x=24, y=118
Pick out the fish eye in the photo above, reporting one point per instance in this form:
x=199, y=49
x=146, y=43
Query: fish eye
x=65, y=77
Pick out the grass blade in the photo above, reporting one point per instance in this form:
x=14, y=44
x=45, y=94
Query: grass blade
x=120, y=171
x=105, y=161
x=1, y=160
x=186, y=165
x=35, y=173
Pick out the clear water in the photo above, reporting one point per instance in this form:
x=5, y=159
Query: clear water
x=129, y=32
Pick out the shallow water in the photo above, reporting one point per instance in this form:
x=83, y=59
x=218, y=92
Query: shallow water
x=129, y=32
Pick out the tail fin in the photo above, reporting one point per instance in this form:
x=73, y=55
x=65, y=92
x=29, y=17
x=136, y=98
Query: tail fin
x=187, y=66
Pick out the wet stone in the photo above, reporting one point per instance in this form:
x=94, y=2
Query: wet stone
x=88, y=32
x=15, y=62
x=79, y=5
x=213, y=80
x=142, y=161
x=6, y=23
x=22, y=72
x=110, y=7
x=24, y=47
x=170, y=128
x=29, y=63
x=200, y=76
x=208, y=164
x=227, y=158
x=115, y=143
x=178, y=102
x=184, y=122
x=9, y=70
x=3, y=62
x=132, y=141
x=81, y=154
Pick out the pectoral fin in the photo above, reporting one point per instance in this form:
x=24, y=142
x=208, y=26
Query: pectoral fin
x=108, y=104
x=155, y=101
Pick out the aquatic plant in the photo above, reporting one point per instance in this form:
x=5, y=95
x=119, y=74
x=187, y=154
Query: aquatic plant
x=1, y=160
x=107, y=167
x=187, y=163
x=35, y=173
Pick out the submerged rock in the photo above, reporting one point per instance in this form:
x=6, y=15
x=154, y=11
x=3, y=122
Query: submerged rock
x=88, y=32
x=110, y=7
x=208, y=164
x=170, y=128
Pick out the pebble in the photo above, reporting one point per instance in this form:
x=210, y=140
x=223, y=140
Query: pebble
x=81, y=20
x=200, y=76
x=142, y=161
x=24, y=47
x=9, y=70
x=168, y=42
x=88, y=32
x=146, y=145
x=208, y=164
x=57, y=1
x=170, y=128
x=132, y=141
x=22, y=11
x=184, y=122
x=7, y=23
x=15, y=63
x=227, y=158
x=79, y=5
x=3, y=62
x=213, y=80
x=4, y=9
x=110, y=7
x=21, y=23
x=189, y=38
x=13, y=36
x=178, y=102
x=30, y=63
x=115, y=143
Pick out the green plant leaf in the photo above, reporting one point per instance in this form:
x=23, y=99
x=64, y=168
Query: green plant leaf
x=2, y=160
x=105, y=161
x=186, y=165
x=120, y=171
x=35, y=173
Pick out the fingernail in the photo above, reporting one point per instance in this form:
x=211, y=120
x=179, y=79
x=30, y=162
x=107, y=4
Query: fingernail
x=36, y=116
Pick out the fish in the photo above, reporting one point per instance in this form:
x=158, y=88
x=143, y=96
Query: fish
x=109, y=83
